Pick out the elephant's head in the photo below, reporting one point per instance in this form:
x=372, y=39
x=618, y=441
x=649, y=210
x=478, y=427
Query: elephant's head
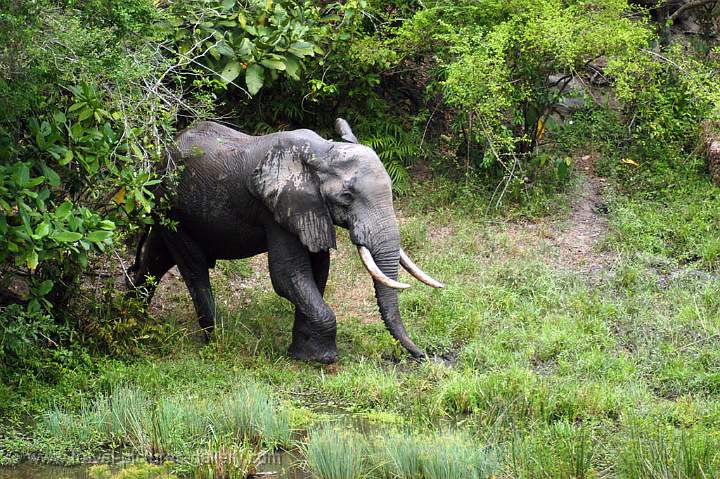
x=311, y=185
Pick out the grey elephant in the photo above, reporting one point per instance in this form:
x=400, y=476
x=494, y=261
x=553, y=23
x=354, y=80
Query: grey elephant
x=240, y=195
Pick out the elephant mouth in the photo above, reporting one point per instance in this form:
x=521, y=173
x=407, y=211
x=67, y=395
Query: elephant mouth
x=405, y=262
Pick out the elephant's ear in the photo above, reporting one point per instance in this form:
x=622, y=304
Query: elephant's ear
x=289, y=188
x=342, y=128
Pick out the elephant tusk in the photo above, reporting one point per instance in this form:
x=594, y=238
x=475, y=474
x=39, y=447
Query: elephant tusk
x=375, y=272
x=414, y=270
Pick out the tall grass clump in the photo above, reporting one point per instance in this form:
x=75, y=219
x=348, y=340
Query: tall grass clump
x=179, y=426
x=225, y=459
x=333, y=454
x=67, y=427
x=562, y=449
x=435, y=456
x=455, y=456
x=402, y=456
x=251, y=415
x=674, y=454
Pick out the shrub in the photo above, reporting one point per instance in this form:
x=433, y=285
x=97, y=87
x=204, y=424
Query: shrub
x=500, y=57
x=79, y=133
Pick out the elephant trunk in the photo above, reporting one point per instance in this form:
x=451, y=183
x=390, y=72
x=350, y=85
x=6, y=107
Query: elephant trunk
x=385, y=251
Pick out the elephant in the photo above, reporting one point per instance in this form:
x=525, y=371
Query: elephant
x=282, y=193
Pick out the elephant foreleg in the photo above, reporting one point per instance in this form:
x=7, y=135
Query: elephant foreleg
x=320, y=264
x=193, y=266
x=300, y=277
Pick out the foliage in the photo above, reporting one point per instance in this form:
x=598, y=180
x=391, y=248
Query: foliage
x=396, y=145
x=502, y=75
x=75, y=162
x=261, y=40
x=42, y=222
x=666, y=95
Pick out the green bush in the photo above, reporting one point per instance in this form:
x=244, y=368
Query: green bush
x=499, y=58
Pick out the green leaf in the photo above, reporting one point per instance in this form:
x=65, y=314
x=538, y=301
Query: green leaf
x=65, y=236
x=67, y=159
x=38, y=180
x=42, y=230
x=302, y=49
x=231, y=71
x=45, y=287
x=34, y=306
x=225, y=50
x=63, y=210
x=21, y=176
x=82, y=259
x=107, y=225
x=228, y=4
x=32, y=260
x=254, y=78
x=52, y=177
x=77, y=106
x=85, y=114
x=245, y=48
x=273, y=64
x=292, y=67
x=99, y=235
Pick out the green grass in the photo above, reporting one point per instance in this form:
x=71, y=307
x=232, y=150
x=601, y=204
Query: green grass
x=221, y=433
x=401, y=456
x=554, y=371
x=335, y=454
x=667, y=213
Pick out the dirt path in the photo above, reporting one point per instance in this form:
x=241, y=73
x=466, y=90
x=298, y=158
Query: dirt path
x=572, y=242
x=577, y=241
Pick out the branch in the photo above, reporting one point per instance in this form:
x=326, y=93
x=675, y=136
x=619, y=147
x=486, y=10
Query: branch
x=688, y=6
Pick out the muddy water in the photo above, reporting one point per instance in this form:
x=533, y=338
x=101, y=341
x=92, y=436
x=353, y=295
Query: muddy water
x=282, y=465
x=276, y=465
x=29, y=470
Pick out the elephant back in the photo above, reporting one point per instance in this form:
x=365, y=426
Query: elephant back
x=209, y=135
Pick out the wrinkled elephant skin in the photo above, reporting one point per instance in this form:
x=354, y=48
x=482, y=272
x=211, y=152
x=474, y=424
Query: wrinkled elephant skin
x=239, y=195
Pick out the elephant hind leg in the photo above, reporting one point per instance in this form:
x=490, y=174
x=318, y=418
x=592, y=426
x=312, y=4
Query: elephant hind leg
x=153, y=260
x=193, y=265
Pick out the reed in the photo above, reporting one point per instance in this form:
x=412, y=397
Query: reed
x=402, y=456
x=333, y=454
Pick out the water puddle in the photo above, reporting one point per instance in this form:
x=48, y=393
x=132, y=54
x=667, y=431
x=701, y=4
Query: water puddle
x=274, y=465
x=282, y=465
x=30, y=470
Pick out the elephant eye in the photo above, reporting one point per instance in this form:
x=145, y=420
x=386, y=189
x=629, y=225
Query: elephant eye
x=345, y=197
